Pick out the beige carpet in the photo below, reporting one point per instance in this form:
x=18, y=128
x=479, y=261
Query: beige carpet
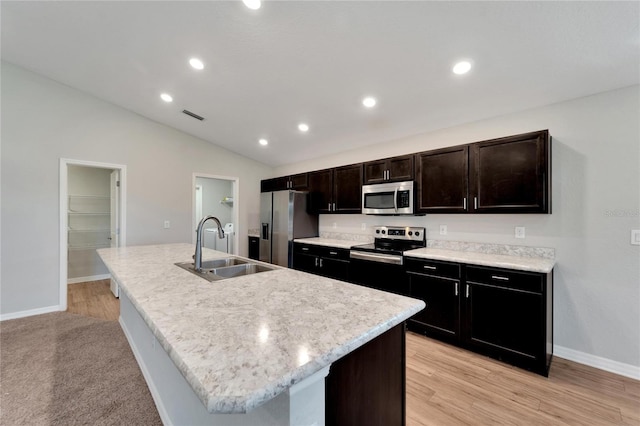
x=67, y=369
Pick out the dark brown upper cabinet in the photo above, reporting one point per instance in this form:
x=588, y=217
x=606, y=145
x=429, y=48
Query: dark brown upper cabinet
x=511, y=174
x=337, y=190
x=443, y=180
x=395, y=169
x=298, y=182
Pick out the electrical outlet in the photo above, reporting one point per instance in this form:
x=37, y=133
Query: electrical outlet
x=335, y=225
x=519, y=231
x=167, y=224
x=635, y=237
x=443, y=229
x=363, y=226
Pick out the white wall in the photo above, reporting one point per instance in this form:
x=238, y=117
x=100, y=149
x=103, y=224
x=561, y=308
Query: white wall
x=213, y=191
x=596, y=202
x=43, y=121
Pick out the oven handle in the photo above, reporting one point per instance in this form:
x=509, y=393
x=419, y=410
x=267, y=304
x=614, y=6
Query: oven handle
x=375, y=257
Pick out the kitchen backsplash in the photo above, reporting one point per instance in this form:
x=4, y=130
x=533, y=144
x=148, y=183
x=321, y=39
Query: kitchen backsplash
x=492, y=234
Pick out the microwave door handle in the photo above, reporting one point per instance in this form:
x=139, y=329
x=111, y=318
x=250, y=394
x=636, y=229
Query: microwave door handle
x=395, y=200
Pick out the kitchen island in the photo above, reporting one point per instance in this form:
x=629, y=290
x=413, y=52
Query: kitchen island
x=256, y=349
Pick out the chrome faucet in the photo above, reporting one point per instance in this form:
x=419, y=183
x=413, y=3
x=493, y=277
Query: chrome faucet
x=197, y=257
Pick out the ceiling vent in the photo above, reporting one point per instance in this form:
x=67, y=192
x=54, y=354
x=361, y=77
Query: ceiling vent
x=191, y=114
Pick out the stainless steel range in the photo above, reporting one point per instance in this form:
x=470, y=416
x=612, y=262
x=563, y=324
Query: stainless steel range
x=379, y=264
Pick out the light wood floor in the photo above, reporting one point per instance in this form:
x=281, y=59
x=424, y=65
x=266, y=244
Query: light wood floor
x=93, y=299
x=451, y=386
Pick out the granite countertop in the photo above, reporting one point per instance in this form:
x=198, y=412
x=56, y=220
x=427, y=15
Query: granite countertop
x=328, y=242
x=242, y=341
x=522, y=263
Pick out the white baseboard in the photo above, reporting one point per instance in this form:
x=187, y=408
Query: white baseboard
x=90, y=278
x=29, y=313
x=605, y=364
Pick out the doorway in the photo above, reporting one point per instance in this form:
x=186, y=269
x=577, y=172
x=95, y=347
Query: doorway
x=217, y=196
x=92, y=216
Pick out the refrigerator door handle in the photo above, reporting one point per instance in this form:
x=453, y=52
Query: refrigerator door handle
x=265, y=231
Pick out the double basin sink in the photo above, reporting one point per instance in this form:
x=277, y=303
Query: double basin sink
x=228, y=267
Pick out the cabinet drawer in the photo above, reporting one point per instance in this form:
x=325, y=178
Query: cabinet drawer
x=527, y=281
x=323, y=251
x=432, y=267
x=334, y=253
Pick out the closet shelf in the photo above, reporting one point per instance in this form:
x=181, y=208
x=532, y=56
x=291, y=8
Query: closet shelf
x=89, y=230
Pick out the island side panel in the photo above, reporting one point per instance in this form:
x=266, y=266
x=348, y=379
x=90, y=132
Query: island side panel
x=367, y=386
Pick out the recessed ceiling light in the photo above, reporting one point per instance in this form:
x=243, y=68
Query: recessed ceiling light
x=303, y=127
x=462, y=67
x=369, y=102
x=196, y=63
x=166, y=97
x=252, y=4
x=263, y=142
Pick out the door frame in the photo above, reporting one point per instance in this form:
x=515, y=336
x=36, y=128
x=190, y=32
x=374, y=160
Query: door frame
x=235, y=184
x=64, y=208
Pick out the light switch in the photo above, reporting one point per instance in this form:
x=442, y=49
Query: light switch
x=519, y=231
x=635, y=237
x=443, y=229
x=167, y=224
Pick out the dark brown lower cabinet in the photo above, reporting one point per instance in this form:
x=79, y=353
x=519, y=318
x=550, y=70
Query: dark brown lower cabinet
x=501, y=313
x=367, y=386
x=254, y=248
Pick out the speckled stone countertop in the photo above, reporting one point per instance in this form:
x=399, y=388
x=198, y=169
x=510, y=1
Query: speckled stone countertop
x=328, y=242
x=240, y=342
x=522, y=263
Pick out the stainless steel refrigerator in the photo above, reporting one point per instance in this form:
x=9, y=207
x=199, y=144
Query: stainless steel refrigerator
x=284, y=217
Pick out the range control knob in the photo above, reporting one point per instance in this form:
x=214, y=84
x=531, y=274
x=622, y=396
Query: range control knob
x=377, y=231
x=417, y=233
x=410, y=233
x=384, y=232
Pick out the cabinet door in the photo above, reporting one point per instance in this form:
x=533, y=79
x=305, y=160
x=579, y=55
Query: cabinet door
x=441, y=316
x=511, y=174
x=347, y=189
x=375, y=171
x=320, y=191
x=274, y=184
x=334, y=268
x=299, y=182
x=254, y=248
x=400, y=168
x=505, y=321
x=305, y=262
x=443, y=183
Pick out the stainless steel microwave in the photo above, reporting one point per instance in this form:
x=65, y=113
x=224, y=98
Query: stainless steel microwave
x=388, y=198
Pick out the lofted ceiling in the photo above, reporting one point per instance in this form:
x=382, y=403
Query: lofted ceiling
x=270, y=69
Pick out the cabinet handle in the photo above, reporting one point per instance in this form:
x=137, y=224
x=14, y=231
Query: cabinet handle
x=316, y=262
x=467, y=291
x=333, y=252
x=429, y=267
x=388, y=174
x=498, y=277
x=321, y=262
x=305, y=248
x=456, y=289
x=464, y=203
x=329, y=208
x=334, y=207
x=475, y=203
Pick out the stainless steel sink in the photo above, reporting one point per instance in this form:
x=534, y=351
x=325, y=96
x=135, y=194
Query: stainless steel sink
x=220, y=269
x=239, y=270
x=219, y=263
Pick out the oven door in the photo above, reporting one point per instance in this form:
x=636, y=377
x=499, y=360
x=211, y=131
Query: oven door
x=380, y=271
x=388, y=198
